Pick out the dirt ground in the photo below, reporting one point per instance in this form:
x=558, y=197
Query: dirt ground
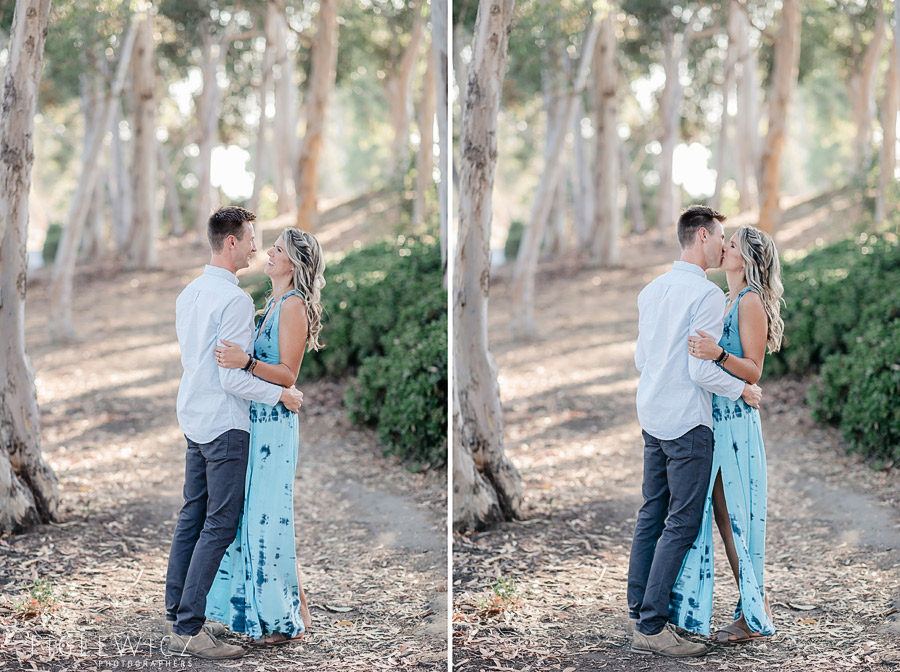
x=87, y=593
x=548, y=592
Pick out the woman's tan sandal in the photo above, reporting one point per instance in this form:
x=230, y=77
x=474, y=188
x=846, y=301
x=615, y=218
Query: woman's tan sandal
x=724, y=635
x=275, y=639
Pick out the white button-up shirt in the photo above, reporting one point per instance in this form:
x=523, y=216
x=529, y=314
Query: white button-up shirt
x=211, y=399
x=675, y=390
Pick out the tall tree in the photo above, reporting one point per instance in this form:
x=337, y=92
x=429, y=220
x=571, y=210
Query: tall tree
x=145, y=224
x=486, y=486
x=441, y=55
x=60, y=323
x=321, y=84
x=398, y=87
x=28, y=489
x=425, y=160
x=747, y=117
x=285, y=121
x=523, y=323
x=607, y=225
x=887, y=184
x=861, y=87
x=784, y=81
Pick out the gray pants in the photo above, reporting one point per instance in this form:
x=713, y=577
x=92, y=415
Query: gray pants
x=207, y=524
x=676, y=479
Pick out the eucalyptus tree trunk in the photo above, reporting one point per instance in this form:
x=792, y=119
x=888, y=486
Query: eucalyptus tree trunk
x=729, y=67
x=441, y=56
x=425, y=162
x=285, y=121
x=607, y=226
x=398, y=90
x=523, y=323
x=887, y=184
x=261, y=159
x=92, y=242
x=861, y=90
x=747, y=118
x=60, y=322
x=582, y=182
x=120, y=186
x=784, y=81
x=486, y=486
x=321, y=84
x=669, y=117
x=208, y=103
x=632, y=191
x=28, y=488
x=145, y=224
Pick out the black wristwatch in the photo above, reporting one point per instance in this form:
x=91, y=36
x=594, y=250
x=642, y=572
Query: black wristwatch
x=247, y=365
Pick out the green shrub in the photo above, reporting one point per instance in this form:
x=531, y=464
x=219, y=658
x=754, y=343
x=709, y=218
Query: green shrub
x=51, y=243
x=404, y=392
x=830, y=295
x=513, y=240
x=859, y=392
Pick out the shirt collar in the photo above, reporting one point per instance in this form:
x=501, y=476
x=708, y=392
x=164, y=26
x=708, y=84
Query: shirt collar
x=689, y=267
x=221, y=273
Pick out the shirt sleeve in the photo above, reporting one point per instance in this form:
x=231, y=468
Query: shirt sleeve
x=704, y=372
x=237, y=326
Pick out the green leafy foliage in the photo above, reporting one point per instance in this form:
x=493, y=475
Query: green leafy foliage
x=831, y=295
x=404, y=392
x=842, y=320
x=858, y=392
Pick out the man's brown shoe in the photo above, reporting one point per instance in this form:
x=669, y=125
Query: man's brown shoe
x=212, y=628
x=629, y=627
x=666, y=643
x=200, y=645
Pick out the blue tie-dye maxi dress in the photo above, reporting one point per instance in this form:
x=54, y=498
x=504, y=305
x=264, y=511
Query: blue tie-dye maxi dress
x=256, y=590
x=739, y=453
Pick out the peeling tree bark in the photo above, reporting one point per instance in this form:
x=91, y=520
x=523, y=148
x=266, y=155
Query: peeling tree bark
x=784, y=81
x=321, y=83
x=607, y=225
x=28, y=488
x=486, y=486
x=145, y=224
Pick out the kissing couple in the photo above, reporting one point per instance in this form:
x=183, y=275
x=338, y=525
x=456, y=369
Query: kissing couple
x=233, y=557
x=700, y=358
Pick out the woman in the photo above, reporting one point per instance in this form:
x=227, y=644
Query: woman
x=737, y=492
x=256, y=590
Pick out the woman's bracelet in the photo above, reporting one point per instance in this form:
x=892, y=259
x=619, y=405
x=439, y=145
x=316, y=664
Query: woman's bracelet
x=721, y=358
x=253, y=364
x=247, y=365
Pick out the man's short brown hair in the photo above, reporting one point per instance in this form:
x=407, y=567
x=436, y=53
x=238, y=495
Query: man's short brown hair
x=695, y=218
x=227, y=221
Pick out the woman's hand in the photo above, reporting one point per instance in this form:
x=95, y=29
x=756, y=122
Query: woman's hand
x=704, y=346
x=231, y=356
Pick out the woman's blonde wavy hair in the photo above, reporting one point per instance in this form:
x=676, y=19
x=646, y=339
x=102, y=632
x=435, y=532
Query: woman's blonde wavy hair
x=305, y=254
x=762, y=270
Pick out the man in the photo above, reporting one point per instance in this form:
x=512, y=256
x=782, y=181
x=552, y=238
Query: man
x=674, y=404
x=214, y=414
